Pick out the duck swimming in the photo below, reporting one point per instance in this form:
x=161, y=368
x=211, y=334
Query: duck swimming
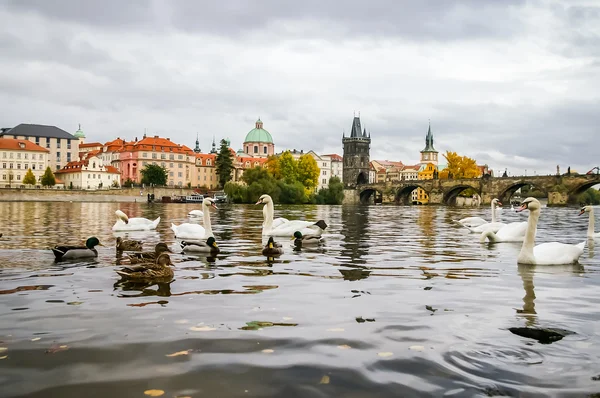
x=63, y=252
x=210, y=246
x=160, y=248
x=306, y=240
x=159, y=269
x=271, y=248
x=129, y=245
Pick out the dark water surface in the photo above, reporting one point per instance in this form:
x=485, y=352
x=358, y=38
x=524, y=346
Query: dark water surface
x=399, y=302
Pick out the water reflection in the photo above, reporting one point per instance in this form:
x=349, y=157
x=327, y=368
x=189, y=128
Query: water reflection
x=275, y=326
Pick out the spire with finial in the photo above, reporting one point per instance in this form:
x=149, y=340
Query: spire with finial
x=197, y=148
x=429, y=140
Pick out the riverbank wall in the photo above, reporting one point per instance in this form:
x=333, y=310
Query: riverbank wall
x=100, y=195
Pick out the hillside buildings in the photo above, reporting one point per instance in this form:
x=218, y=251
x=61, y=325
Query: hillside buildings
x=19, y=155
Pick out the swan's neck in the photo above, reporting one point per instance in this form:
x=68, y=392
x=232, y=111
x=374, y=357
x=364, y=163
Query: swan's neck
x=268, y=212
x=526, y=254
x=590, y=232
x=207, y=227
x=493, y=212
x=489, y=235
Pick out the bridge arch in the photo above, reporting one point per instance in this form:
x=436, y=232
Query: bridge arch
x=451, y=194
x=505, y=194
x=366, y=194
x=579, y=189
x=404, y=193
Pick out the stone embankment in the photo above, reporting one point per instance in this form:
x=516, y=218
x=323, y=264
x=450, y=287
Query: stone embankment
x=76, y=195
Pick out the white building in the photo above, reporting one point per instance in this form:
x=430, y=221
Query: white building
x=90, y=173
x=18, y=156
x=62, y=146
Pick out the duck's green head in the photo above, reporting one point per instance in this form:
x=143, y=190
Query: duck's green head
x=211, y=242
x=92, y=242
x=298, y=235
x=161, y=248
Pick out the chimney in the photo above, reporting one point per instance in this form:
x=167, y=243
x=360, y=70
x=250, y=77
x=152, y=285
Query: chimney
x=136, y=139
x=168, y=139
x=155, y=136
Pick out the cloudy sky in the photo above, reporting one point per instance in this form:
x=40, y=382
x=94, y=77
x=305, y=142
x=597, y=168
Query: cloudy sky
x=513, y=84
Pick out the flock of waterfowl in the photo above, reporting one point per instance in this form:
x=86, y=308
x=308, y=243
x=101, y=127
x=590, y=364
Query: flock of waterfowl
x=194, y=238
x=200, y=239
x=549, y=253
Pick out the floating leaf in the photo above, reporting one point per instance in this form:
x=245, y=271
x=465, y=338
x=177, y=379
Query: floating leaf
x=56, y=348
x=154, y=393
x=201, y=328
x=430, y=308
x=324, y=380
x=385, y=354
x=258, y=325
x=179, y=353
x=36, y=339
x=416, y=348
x=75, y=303
x=268, y=351
x=335, y=330
x=344, y=347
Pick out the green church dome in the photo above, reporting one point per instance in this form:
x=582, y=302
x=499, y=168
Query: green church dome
x=258, y=134
x=79, y=133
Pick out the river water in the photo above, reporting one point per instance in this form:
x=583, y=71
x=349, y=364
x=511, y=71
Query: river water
x=399, y=302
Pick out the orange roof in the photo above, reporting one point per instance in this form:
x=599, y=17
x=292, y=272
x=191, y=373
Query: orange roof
x=414, y=167
x=74, y=167
x=90, y=145
x=335, y=157
x=20, y=145
x=389, y=163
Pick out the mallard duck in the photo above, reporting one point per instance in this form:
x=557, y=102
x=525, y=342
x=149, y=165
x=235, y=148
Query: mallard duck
x=210, y=246
x=129, y=245
x=272, y=248
x=136, y=258
x=158, y=269
x=66, y=252
x=306, y=240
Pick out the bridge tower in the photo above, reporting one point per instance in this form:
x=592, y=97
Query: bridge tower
x=356, y=155
x=429, y=154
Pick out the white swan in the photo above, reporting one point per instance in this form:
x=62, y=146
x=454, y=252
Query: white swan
x=512, y=232
x=284, y=227
x=125, y=223
x=590, y=231
x=477, y=221
x=196, y=213
x=552, y=253
x=196, y=232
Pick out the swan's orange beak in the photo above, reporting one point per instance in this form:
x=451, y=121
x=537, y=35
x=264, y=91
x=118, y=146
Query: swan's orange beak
x=259, y=202
x=522, y=207
x=499, y=203
x=214, y=205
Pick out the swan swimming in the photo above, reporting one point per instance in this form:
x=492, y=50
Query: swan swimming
x=590, y=231
x=196, y=232
x=512, y=232
x=125, y=223
x=477, y=221
x=551, y=253
x=196, y=213
x=284, y=227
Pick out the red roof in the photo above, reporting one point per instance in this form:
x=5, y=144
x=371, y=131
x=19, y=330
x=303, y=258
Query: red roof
x=74, y=167
x=335, y=157
x=90, y=145
x=20, y=145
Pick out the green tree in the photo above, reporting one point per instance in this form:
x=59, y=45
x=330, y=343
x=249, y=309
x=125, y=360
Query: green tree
x=291, y=193
x=153, y=174
x=236, y=193
x=288, y=167
x=590, y=197
x=48, y=179
x=256, y=174
x=29, y=178
x=224, y=164
x=459, y=167
x=308, y=173
x=333, y=194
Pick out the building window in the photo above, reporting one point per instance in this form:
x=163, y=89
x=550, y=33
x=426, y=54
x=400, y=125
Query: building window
x=69, y=143
x=18, y=177
x=324, y=172
x=171, y=165
x=180, y=157
x=47, y=142
x=58, y=142
x=171, y=157
x=26, y=166
x=33, y=166
x=37, y=140
x=3, y=165
x=144, y=154
x=57, y=167
x=324, y=181
x=264, y=149
x=153, y=155
x=68, y=156
x=171, y=174
x=255, y=148
x=163, y=155
x=11, y=165
x=179, y=174
x=180, y=165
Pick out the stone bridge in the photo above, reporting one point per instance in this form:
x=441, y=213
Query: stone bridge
x=561, y=189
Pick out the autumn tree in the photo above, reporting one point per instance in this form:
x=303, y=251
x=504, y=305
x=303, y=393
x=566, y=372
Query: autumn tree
x=48, y=179
x=153, y=174
x=288, y=167
x=224, y=164
x=459, y=167
x=29, y=178
x=308, y=173
x=272, y=165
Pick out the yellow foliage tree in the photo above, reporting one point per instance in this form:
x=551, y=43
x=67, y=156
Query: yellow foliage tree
x=273, y=167
x=308, y=173
x=288, y=167
x=459, y=167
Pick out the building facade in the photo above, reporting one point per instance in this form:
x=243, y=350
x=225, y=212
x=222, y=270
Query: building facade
x=17, y=156
x=356, y=155
x=63, y=147
x=89, y=173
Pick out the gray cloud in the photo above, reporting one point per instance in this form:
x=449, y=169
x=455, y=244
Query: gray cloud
x=512, y=84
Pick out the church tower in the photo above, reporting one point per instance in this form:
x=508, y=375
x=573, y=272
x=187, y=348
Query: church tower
x=356, y=155
x=429, y=154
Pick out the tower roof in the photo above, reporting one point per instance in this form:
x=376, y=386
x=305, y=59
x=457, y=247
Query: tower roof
x=429, y=141
x=356, y=130
x=258, y=134
x=79, y=133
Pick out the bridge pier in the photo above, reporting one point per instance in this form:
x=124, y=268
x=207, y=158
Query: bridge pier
x=351, y=197
x=557, y=198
